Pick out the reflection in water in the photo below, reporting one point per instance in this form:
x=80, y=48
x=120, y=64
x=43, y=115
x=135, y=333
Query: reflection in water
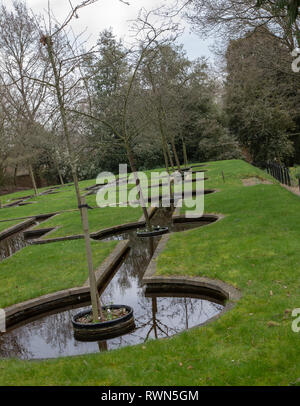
x=52, y=336
x=12, y=244
x=17, y=241
x=102, y=345
x=155, y=317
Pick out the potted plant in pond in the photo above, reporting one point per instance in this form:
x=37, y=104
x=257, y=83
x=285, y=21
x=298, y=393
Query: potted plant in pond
x=152, y=231
x=117, y=320
x=99, y=322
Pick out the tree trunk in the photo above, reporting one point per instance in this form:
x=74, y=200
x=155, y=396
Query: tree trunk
x=60, y=177
x=184, y=153
x=160, y=122
x=137, y=181
x=32, y=179
x=164, y=141
x=64, y=119
x=58, y=171
x=165, y=158
x=168, y=171
x=15, y=174
x=170, y=156
x=97, y=310
x=175, y=154
x=96, y=304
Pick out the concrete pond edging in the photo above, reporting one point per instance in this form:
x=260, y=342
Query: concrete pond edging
x=29, y=309
x=99, y=234
x=16, y=228
x=204, y=287
x=207, y=288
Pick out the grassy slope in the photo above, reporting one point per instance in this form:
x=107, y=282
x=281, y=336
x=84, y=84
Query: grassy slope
x=9, y=198
x=70, y=223
x=7, y=224
x=64, y=200
x=255, y=247
x=37, y=270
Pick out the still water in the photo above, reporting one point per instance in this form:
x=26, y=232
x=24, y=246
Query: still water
x=52, y=336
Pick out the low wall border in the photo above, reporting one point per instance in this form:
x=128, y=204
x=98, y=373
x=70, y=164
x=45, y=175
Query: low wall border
x=25, y=310
x=19, y=312
x=16, y=228
x=150, y=278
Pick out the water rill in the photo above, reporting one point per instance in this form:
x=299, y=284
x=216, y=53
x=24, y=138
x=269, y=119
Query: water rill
x=156, y=315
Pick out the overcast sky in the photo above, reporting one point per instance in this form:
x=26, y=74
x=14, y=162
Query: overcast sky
x=112, y=13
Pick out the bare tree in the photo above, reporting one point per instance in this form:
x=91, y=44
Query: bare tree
x=4, y=148
x=166, y=74
x=65, y=60
x=22, y=99
x=230, y=19
x=148, y=39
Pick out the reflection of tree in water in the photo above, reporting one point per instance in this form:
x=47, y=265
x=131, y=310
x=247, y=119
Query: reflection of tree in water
x=162, y=217
x=133, y=267
x=55, y=331
x=58, y=331
x=12, y=244
x=187, y=310
x=135, y=264
x=163, y=317
x=168, y=316
x=154, y=317
x=11, y=345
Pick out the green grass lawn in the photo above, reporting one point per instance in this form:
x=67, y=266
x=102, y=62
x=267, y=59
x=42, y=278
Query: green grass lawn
x=64, y=200
x=69, y=223
x=7, y=224
x=255, y=247
x=39, y=270
x=10, y=197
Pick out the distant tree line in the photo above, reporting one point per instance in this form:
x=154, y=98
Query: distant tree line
x=259, y=42
x=173, y=106
x=148, y=103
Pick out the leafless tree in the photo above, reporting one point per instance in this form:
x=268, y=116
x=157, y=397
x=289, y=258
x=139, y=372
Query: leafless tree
x=65, y=57
x=149, y=36
x=230, y=19
x=22, y=100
